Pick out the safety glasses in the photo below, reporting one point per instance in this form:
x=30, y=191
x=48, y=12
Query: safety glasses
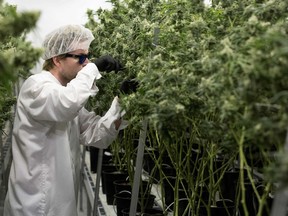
x=82, y=58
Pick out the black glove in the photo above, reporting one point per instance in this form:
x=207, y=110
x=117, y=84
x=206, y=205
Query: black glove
x=129, y=86
x=108, y=63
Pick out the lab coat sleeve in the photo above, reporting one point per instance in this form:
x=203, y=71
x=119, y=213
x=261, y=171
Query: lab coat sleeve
x=47, y=100
x=99, y=131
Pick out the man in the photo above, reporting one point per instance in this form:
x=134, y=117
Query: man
x=51, y=122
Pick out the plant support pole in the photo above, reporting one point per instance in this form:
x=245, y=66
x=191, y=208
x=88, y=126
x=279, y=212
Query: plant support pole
x=97, y=184
x=279, y=207
x=82, y=178
x=138, y=172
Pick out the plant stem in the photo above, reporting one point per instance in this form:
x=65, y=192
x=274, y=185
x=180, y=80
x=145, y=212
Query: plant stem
x=263, y=199
x=242, y=180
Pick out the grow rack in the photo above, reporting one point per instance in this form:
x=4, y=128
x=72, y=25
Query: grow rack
x=5, y=161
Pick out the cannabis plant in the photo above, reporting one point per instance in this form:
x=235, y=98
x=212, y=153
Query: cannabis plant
x=210, y=76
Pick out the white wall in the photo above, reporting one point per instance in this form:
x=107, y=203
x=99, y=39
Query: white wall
x=55, y=13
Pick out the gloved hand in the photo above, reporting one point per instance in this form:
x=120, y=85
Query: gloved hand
x=108, y=63
x=129, y=86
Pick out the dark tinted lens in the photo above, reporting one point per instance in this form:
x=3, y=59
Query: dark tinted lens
x=82, y=58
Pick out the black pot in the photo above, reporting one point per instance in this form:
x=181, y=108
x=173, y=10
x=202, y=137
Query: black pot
x=149, y=164
x=109, y=177
x=229, y=184
x=123, y=200
x=202, y=194
x=125, y=185
x=122, y=185
x=169, y=185
x=107, y=168
x=94, y=153
x=182, y=202
x=93, y=158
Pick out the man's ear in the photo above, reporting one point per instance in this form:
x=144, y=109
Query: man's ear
x=56, y=60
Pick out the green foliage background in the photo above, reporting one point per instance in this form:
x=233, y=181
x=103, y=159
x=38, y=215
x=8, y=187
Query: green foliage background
x=17, y=56
x=221, y=68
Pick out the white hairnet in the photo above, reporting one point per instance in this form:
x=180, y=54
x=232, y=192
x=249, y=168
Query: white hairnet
x=66, y=39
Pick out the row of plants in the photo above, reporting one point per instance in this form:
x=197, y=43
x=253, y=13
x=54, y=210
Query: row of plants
x=213, y=89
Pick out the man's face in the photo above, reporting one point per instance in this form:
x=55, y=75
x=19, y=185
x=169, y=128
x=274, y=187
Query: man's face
x=72, y=63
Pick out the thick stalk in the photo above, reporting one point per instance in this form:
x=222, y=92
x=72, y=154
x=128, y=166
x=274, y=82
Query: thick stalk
x=263, y=199
x=211, y=174
x=162, y=175
x=242, y=180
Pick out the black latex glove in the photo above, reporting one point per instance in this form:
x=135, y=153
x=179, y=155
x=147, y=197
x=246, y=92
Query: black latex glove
x=108, y=63
x=129, y=86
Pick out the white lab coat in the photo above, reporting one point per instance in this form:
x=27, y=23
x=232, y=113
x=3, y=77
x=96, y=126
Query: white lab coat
x=50, y=122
